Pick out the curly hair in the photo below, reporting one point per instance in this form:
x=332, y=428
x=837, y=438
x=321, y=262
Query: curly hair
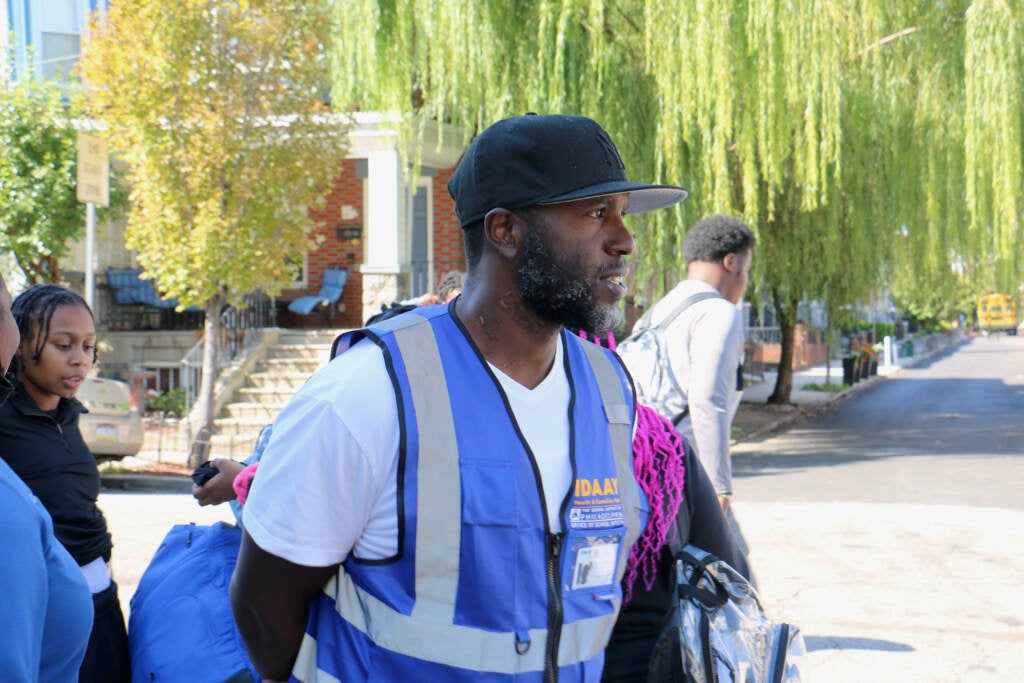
x=450, y=282
x=713, y=238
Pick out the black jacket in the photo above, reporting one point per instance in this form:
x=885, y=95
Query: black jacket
x=48, y=453
x=641, y=620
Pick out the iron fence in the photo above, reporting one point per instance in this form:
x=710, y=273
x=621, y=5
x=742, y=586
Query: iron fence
x=238, y=334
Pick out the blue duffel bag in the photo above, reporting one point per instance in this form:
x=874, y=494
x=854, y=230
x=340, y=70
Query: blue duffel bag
x=180, y=627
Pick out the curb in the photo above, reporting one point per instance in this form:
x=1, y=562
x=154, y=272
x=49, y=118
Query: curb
x=146, y=482
x=828, y=404
x=807, y=410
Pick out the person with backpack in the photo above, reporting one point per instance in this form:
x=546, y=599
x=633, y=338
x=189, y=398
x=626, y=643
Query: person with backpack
x=704, y=340
x=452, y=497
x=682, y=501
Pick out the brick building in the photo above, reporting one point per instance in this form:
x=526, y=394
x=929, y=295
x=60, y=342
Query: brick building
x=395, y=235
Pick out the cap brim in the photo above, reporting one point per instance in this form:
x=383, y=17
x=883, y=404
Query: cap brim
x=642, y=197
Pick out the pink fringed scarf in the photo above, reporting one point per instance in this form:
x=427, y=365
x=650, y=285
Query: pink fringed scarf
x=659, y=469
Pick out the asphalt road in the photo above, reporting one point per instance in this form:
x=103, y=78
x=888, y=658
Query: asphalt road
x=891, y=527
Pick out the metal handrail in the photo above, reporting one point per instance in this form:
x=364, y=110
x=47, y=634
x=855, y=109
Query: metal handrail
x=260, y=312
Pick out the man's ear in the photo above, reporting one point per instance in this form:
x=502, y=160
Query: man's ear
x=503, y=230
x=730, y=262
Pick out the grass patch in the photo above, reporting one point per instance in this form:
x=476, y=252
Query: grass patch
x=832, y=388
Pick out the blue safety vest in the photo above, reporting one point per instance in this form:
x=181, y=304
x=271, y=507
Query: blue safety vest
x=481, y=589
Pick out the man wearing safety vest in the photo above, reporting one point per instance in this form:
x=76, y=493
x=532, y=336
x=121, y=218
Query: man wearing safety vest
x=452, y=497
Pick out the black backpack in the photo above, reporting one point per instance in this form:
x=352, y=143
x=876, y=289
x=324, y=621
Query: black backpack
x=389, y=312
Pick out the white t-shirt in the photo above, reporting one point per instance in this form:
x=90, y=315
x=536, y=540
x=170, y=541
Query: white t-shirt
x=327, y=483
x=705, y=349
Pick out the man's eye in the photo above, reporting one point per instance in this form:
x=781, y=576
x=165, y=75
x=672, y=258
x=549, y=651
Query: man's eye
x=598, y=212
x=88, y=347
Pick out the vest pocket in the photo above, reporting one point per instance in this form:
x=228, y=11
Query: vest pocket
x=490, y=548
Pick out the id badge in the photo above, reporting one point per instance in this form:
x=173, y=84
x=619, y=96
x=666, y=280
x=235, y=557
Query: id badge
x=593, y=561
x=593, y=543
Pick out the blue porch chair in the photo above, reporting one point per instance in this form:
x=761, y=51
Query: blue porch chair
x=138, y=304
x=330, y=293
x=128, y=288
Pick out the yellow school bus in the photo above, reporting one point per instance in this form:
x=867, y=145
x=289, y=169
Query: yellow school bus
x=997, y=313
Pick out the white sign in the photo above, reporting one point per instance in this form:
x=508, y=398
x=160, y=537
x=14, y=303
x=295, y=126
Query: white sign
x=93, y=170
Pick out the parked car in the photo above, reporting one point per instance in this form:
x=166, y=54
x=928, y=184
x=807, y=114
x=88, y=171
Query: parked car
x=113, y=426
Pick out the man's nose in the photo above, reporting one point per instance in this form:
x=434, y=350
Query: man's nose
x=621, y=243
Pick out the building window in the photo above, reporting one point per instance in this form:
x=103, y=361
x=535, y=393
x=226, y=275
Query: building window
x=58, y=54
x=302, y=276
x=162, y=376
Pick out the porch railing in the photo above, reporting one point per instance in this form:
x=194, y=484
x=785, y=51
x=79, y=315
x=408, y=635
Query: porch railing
x=238, y=327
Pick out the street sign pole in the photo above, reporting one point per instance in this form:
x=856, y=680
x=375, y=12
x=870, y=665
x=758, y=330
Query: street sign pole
x=93, y=189
x=90, y=248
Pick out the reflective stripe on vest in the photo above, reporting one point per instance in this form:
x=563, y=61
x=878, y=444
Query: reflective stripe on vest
x=429, y=632
x=620, y=430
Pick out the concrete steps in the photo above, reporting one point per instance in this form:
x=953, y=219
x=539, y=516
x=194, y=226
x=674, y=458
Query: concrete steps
x=279, y=395
x=278, y=380
x=253, y=410
x=286, y=367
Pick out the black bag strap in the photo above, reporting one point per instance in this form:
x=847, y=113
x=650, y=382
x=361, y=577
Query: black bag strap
x=682, y=524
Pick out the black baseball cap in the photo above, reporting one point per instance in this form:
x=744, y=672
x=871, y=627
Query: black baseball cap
x=532, y=159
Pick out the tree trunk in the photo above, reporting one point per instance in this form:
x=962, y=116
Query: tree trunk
x=786, y=314
x=203, y=435
x=828, y=349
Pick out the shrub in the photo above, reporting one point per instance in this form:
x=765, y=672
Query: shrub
x=170, y=402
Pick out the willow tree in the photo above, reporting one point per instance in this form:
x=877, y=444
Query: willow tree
x=218, y=109
x=832, y=127
x=960, y=156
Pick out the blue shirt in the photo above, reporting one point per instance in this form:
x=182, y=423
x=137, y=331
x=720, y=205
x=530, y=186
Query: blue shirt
x=46, y=612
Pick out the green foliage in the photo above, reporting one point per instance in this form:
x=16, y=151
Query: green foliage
x=831, y=388
x=171, y=402
x=39, y=212
x=217, y=107
x=926, y=297
x=883, y=330
x=844, y=132
x=878, y=330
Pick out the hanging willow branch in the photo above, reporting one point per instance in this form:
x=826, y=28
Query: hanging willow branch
x=788, y=114
x=888, y=39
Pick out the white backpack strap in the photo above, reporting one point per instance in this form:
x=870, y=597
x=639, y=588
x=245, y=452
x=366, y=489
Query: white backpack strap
x=686, y=303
